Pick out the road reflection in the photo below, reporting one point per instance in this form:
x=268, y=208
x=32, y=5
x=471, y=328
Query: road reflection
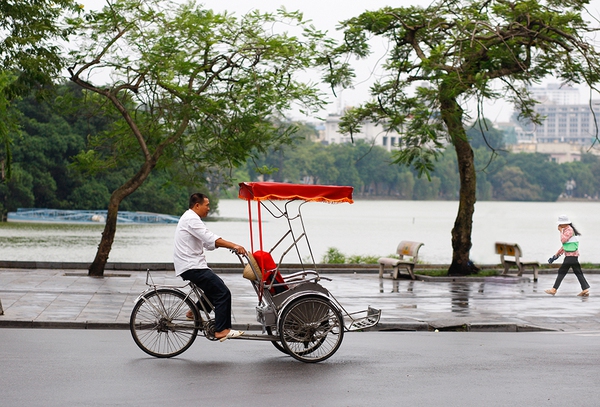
x=396, y=286
x=459, y=295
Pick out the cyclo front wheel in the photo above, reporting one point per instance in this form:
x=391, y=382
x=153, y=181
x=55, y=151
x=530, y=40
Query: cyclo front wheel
x=311, y=329
x=159, y=325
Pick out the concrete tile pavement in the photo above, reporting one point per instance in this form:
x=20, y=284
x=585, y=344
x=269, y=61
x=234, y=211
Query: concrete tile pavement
x=69, y=298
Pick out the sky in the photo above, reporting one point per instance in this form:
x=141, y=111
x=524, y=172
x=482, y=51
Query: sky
x=326, y=15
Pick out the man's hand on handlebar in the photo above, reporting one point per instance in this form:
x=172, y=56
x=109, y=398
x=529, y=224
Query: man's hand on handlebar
x=238, y=249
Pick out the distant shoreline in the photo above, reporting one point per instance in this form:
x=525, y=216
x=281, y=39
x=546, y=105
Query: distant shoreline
x=577, y=200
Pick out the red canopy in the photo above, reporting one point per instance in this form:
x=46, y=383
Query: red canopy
x=262, y=191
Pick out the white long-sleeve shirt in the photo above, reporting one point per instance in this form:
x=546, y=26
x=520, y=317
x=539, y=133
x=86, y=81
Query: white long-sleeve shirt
x=192, y=237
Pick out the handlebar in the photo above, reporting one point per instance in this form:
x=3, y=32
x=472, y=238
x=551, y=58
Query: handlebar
x=241, y=257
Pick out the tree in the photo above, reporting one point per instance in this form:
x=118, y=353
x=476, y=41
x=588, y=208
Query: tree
x=445, y=170
x=406, y=185
x=345, y=164
x=29, y=56
x=46, y=143
x=593, y=163
x=321, y=166
x=372, y=164
x=53, y=130
x=459, y=50
x=483, y=134
x=538, y=170
x=191, y=86
x=483, y=159
x=580, y=179
x=511, y=184
x=28, y=48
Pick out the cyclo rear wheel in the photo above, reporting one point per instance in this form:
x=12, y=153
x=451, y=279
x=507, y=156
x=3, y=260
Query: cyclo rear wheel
x=159, y=325
x=311, y=329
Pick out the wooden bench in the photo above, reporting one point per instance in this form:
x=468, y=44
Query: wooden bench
x=405, y=248
x=513, y=250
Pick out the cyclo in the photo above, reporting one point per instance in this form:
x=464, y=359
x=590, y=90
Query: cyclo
x=299, y=316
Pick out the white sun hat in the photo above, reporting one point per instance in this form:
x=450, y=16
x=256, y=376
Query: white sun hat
x=563, y=220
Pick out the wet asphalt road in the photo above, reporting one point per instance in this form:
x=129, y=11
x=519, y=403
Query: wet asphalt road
x=47, y=367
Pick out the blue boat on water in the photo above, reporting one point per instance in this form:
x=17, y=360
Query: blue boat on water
x=83, y=216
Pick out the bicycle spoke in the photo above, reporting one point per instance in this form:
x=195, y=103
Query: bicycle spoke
x=311, y=329
x=159, y=325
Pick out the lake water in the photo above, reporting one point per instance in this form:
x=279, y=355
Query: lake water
x=363, y=228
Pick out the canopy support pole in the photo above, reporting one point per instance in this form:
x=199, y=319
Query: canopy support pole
x=251, y=232
x=260, y=226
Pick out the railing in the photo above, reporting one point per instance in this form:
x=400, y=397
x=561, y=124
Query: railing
x=84, y=216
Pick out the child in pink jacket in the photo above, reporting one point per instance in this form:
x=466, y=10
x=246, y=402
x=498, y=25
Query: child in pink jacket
x=570, y=248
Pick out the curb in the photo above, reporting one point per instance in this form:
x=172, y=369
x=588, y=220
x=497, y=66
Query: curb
x=472, y=327
x=62, y=325
x=381, y=327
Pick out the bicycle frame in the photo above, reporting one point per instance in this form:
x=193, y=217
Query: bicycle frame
x=193, y=290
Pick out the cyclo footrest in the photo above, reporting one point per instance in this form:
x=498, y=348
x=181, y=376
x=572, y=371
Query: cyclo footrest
x=372, y=319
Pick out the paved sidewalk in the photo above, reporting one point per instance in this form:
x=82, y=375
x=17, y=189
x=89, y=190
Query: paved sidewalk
x=70, y=299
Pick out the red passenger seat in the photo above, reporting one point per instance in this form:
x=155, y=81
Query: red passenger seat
x=269, y=271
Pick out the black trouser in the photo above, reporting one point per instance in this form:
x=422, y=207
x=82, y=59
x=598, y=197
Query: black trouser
x=216, y=291
x=571, y=262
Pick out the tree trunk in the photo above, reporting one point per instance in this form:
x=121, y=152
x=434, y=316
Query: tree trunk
x=108, y=235
x=452, y=115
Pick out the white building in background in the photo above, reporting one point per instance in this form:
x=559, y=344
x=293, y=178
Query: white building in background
x=565, y=119
x=567, y=131
x=573, y=124
x=568, y=127
x=370, y=132
x=556, y=94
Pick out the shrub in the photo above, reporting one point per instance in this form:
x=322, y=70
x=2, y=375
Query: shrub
x=358, y=259
x=333, y=256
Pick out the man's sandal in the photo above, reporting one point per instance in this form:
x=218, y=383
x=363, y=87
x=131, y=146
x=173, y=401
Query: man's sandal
x=232, y=334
